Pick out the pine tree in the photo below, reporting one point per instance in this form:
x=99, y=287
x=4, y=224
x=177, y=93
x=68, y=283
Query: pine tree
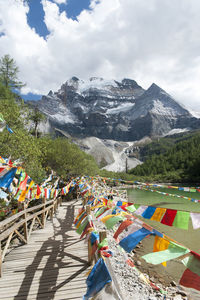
x=9, y=73
x=37, y=117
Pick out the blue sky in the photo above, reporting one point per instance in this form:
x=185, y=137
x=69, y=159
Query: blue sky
x=35, y=19
x=73, y=8
x=145, y=40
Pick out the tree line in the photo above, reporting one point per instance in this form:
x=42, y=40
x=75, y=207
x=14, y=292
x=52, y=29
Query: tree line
x=180, y=162
x=38, y=154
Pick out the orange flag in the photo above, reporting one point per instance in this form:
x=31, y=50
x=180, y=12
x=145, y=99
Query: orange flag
x=160, y=244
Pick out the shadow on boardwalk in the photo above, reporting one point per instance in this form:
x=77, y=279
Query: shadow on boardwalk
x=55, y=249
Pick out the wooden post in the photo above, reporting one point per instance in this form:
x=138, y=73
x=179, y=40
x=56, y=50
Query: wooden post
x=43, y=213
x=0, y=260
x=102, y=236
x=90, y=257
x=84, y=201
x=51, y=213
x=55, y=206
x=88, y=209
x=25, y=223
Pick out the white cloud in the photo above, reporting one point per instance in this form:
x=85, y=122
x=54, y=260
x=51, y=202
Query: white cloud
x=149, y=41
x=60, y=1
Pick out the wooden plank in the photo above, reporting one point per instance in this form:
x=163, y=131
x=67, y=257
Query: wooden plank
x=20, y=236
x=25, y=224
x=31, y=227
x=7, y=245
x=52, y=266
x=0, y=260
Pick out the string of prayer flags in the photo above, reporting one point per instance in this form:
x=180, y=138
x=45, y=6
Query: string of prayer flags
x=170, y=217
x=97, y=279
x=131, y=241
x=167, y=194
x=173, y=251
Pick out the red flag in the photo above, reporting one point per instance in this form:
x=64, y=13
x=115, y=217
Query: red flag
x=122, y=226
x=38, y=190
x=169, y=217
x=23, y=183
x=190, y=280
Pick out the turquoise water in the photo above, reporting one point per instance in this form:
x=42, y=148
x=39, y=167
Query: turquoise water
x=155, y=199
x=188, y=237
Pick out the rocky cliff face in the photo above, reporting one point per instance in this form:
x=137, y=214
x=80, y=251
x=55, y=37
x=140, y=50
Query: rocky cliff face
x=121, y=111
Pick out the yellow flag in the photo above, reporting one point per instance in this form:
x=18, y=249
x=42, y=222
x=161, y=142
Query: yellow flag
x=160, y=244
x=159, y=212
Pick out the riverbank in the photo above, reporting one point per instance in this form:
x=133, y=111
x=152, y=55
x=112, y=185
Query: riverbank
x=134, y=281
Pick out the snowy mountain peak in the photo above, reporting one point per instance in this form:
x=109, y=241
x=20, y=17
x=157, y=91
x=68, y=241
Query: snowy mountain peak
x=154, y=90
x=111, y=109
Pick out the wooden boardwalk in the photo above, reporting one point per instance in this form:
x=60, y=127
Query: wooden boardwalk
x=53, y=265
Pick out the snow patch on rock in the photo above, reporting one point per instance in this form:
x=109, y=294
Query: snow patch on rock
x=177, y=130
x=123, y=107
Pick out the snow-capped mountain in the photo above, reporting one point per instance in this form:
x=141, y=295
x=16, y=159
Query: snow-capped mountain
x=109, y=109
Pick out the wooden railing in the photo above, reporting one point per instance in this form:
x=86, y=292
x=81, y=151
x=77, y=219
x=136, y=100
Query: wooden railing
x=21, y=224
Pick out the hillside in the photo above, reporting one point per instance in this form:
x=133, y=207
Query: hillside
x=41, y=154
x=175, y=158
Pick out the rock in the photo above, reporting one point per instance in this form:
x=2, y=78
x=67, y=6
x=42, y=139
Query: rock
x=138, y=263
x=177, y=297
x=173, y=283
x=182, y=293
x=171, y=290
x=161, y=280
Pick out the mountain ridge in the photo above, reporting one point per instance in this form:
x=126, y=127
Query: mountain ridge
x=111, y=109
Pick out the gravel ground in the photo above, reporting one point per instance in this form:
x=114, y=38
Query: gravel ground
x=131, y=281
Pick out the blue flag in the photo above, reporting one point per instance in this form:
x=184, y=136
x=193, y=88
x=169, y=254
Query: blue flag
x=131, y=241
x=148, y=213
x=9, y=129
x=97, y=279
x=7, y=179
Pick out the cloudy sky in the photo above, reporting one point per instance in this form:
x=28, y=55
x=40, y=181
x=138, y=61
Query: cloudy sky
x=146, y=40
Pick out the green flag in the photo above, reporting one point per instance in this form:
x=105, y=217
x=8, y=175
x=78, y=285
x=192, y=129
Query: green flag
x=192, y=263
x=174, y=250
x=100, y=211
x=82, y=226
x=112, y=221
x=131, y=208
x=181, y=220
x=104, y=243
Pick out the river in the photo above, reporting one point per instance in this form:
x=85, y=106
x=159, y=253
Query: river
x=189, y=238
